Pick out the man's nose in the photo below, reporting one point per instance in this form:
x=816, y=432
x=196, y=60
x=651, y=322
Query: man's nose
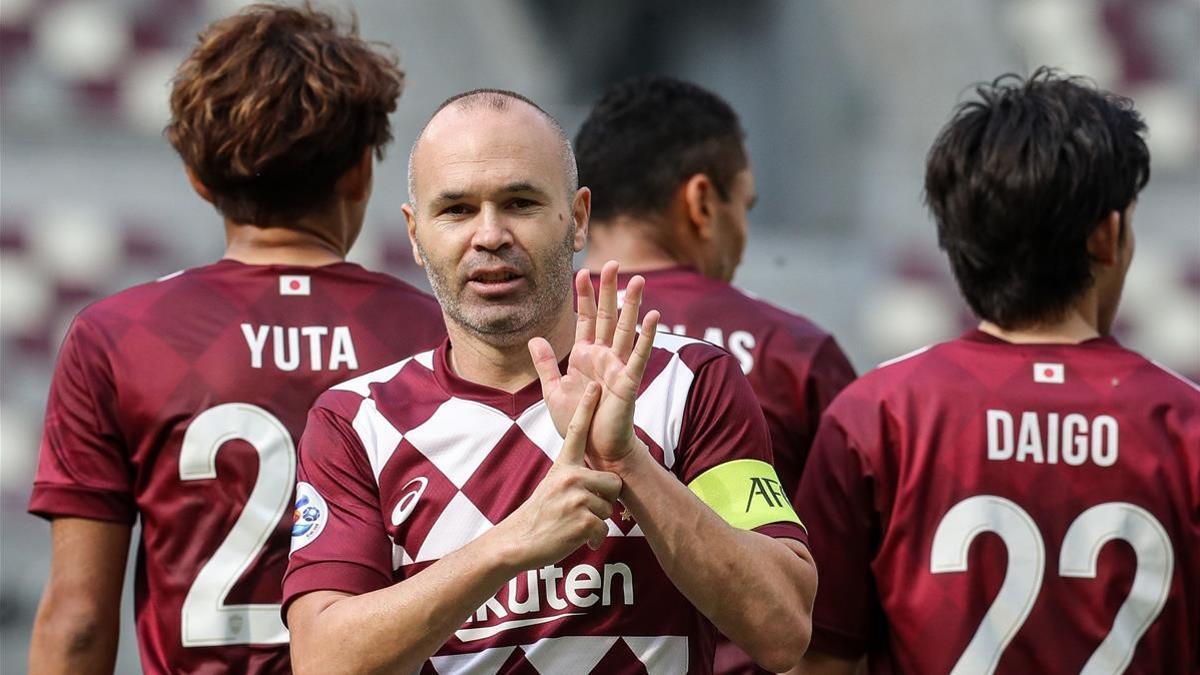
x=492, y=231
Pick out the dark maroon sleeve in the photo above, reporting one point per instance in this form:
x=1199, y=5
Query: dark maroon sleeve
x=723, y=422
x=83, y=468
x=836, y=500
x=350, y=551
x=797, y=383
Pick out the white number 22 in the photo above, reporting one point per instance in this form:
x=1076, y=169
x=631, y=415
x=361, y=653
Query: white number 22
x=206, y=619
x=1081, y=546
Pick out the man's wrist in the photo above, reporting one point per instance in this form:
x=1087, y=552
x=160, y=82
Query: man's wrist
x=633, y=463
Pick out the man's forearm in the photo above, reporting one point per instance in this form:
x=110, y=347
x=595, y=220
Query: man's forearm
x=756, y=590
x=395, y=629
x=66, y=643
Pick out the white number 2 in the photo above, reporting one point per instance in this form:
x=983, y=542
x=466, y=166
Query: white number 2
x=1081, y=547
x=206, y=619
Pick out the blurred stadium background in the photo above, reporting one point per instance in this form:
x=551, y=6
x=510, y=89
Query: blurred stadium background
x=840, y=99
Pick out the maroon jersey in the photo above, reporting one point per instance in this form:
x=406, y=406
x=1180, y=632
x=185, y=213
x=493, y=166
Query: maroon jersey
x=795, y=368
x=403, y=466
x=179, y=401
x=986, y=507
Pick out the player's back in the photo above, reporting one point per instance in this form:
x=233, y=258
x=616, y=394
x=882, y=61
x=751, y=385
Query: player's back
x=1000, y=478
x=180, y=401
x=795, y=367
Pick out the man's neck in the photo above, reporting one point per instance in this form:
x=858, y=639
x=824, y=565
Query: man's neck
x=625, y=240
x=300, y=245
x=506, y=366
x=1078, y=325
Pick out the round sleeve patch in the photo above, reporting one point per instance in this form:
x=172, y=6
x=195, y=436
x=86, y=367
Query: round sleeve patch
x=309, y=518
x=746, y=493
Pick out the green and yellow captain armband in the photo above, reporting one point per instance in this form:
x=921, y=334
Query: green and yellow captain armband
x=746, y=493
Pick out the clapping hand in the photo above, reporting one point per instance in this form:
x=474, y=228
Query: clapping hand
x=609, y=352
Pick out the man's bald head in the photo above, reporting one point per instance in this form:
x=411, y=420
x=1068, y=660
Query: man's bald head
x=498, y=100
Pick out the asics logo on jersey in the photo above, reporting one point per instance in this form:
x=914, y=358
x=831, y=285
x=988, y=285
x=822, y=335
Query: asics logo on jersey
x=413, y=490
x=551, y=588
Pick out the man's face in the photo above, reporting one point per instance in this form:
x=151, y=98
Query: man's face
x=492, y=223
x=730, y=224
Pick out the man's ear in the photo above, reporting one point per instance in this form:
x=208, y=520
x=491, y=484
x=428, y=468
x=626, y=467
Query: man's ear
x=410, y=219
x=581, y=212
x=200, y=188
x=698, y=194
x=355, y=184
x=1104, y=243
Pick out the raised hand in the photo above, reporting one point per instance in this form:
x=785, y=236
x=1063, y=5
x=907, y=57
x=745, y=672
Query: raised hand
x=609, y=352
x=569, y=506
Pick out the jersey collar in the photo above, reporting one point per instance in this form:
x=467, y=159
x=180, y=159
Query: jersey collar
x=512, y=404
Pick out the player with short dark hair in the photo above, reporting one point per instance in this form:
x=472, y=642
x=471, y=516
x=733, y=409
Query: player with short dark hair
x=671, y=190
x=451, y=514
x=1020, y=499
x=179, y=402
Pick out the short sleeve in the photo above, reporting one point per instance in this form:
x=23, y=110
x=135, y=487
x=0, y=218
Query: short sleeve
x=836, y=497
x=725, y=453
x=83, y=465
x=799, y=383
x=338, y=537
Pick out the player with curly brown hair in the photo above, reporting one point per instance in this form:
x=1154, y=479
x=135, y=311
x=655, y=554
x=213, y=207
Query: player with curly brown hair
x=179, y=402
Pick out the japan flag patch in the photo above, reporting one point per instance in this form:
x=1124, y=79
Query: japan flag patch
x=1049, y=373
x=293, y=284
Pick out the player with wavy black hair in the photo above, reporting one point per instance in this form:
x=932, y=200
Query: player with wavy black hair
x=1016, y=455
x=1020, y=179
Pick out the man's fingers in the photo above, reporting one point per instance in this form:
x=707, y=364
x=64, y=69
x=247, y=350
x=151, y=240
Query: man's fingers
x=606, y=309
x=603, y=484
x=600, y=507
x=599, y=532
x=575, y=442
x=545, y=363
x=585, y=306
x=636, y=366
x=626, y=331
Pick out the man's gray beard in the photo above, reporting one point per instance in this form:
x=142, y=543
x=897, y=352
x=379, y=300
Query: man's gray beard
x=529, y=319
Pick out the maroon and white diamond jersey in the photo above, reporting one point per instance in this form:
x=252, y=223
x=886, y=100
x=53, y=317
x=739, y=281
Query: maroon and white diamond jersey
x=403, y=466
x=180, y=401
x=986, y=507
x=795, y=367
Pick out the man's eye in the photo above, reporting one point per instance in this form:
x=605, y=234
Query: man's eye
x=522, y=203
x=456, y=210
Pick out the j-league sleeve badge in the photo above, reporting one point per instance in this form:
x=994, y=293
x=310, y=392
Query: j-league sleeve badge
x=308, y=520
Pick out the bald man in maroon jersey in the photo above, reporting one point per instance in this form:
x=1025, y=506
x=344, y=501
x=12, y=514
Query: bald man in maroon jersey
x=1022, y=499
x=672, y=186
x=180, y=401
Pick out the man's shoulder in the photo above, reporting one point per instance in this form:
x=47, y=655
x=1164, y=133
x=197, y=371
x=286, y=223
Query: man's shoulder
x=410, y=373
x=113, y=312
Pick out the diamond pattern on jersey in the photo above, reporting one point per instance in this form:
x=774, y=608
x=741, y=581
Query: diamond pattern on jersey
x=458, y=525
x=486, y=662
x=361, y=385
x=662, y=655
x=539, y=427
x=379, y=438
x=665, y=655
x=458, y=437
x=668, y=392
x=506, y=477
x=574, y=654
